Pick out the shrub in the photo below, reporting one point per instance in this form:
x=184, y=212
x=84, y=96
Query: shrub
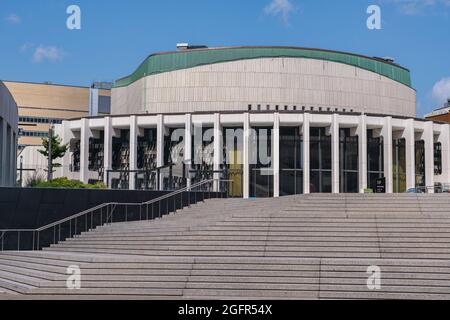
x=65, y=183
x=35, y=179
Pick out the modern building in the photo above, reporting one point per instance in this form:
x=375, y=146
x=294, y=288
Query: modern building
x=8, y=137
x=441, y=114
x=43, y=104
x=273, y=120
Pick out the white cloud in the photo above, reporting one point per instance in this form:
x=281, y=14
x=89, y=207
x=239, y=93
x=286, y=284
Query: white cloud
x=13, y=19
x=441, y=90
x=282, y=8
x=415, y=7
x=50, y=53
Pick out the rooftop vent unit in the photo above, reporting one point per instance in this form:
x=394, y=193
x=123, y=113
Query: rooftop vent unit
x=186, y=46
x=387, y=59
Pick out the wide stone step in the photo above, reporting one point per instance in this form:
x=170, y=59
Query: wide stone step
x=147, y=292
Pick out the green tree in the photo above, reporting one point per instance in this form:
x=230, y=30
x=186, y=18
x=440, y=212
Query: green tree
x=58, y=149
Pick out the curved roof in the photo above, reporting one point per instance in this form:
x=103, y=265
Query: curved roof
x=172, y=61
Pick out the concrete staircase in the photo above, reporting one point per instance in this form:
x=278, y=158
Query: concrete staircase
x=299, y=247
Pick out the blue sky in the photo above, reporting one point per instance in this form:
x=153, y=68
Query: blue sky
x=116, y=36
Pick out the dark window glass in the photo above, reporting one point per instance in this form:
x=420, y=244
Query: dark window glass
x=291, y=161
x=375, y=159
x=261, y=173
x=348, y=162
x=399, y=165
x=320, y=161
x=420, y=163
x=438, y=158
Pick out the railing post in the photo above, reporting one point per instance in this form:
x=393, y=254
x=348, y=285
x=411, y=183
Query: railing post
x=38, y=238
x=34, y=232
x=18, y=240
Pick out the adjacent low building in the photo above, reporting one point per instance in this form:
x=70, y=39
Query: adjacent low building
x=42, y=105
x=8, y=137
x=273, y=120
x=440, y=114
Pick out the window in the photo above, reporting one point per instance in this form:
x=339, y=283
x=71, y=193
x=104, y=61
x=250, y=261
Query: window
x=438, y=158
x=348, y=162
x=39, y=120
x=261, y=174
x=320, y=161
x=375, y=159
x=38, y=134
x=291, y=161
x=399, y=165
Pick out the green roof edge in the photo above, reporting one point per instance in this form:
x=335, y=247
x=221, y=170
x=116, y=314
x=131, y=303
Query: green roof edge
x=172, y=61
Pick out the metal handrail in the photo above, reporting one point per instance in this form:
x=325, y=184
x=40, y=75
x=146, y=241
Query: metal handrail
x=109, y=214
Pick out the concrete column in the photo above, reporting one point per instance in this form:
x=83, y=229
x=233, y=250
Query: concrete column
x=276, y=155
x=428, y=137
x=85, y=135
x=386, y=132
x=107, y=152
x=160, y=147
x=134, y=133
x=246, y=156
x=306, y=155
x=335, y=166
x=3, y=169
x=410, y=146
x=188, y=147
x=362, y=153
x=218, y=147
x=444, y=139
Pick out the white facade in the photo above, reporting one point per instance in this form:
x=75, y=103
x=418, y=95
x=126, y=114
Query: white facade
x=8, y=137
x=387, y=127
x=266, y=84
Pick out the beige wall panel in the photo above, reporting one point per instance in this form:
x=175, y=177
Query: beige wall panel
x=55, y=114
x=273, y=81
x=49, y=96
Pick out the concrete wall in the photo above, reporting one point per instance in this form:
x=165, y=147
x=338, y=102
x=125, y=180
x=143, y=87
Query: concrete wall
x=8, y=137
x=267, y=81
